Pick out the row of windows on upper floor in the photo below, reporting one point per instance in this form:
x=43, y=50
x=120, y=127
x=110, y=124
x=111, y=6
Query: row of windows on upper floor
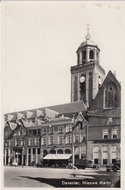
x=104, y=149
x=44, y=130
x=52, y=129
x=61, y=139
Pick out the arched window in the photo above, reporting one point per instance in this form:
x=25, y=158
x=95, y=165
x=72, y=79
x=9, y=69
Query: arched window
x=111, y=99
x=67, y=151
x=52, y=151
x=60, y=151
x=97, y=54
x=78, y=58
x=84, y=54
x=91, y=54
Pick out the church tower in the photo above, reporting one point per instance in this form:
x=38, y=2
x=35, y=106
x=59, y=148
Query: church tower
x=87, y=76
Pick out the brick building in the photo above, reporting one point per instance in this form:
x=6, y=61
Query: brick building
x=95, y=105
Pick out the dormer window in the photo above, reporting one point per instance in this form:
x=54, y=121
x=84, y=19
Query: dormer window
x=105, y=134
x=91, y=54
x=114, y=133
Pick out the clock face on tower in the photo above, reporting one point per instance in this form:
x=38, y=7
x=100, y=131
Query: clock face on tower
x=82, y=79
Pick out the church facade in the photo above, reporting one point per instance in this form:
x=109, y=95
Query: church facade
x=94, y=109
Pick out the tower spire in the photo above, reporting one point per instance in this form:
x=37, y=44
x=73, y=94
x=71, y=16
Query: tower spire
x=88, y=37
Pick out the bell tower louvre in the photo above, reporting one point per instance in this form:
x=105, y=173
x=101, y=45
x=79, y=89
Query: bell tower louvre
x=88, y=75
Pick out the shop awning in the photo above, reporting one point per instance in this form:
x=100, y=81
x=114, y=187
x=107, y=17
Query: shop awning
x=57, y=156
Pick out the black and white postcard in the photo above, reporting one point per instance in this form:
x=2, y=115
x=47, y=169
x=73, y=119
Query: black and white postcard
x=62, y=71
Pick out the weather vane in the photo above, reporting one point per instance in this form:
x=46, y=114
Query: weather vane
x=88, y=37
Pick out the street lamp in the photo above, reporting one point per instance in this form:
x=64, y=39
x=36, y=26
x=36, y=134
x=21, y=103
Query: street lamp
x=22, y=155
x=73, y=156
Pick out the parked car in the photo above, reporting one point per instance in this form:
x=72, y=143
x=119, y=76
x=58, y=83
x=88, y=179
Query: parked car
x=116, y=166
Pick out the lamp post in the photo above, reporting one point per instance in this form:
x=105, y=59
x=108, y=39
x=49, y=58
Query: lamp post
x=22, y=156
x=73, y=156
x=86, y=141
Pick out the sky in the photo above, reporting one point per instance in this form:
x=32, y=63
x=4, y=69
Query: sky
x=39, y=43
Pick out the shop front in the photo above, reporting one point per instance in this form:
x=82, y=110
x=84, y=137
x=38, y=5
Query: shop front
x=57, y=160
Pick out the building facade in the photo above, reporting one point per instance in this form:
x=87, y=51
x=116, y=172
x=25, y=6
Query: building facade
x=29, y=140
x=29, y=136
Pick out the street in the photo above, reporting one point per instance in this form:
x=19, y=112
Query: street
x=51, y=177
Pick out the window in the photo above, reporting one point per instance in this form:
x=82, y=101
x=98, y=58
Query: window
x=104, y=161
x=75, y=84
x=51, y=140
x=104, y=149
x=91, y=54
x=96, y=161
x=67, y=151
x=23, y=132
x=99, y=82
x=19, y=133
x=78, y=58
x=38, y=150
x=21, y=142
x=84, y=54
x=36, y=141
x=44, y=130
x=60, y=151
x=30, y=142
x=10, y=142
x=80, y=125
x=114, y=149
x=15, y=142
x=114, y=133
x=109, y=121
x=60, y=139
x=105, y=134
x=29, y=150
x=95, y=149
x=38, y=131
x=11, y=151
x=34, y=132
x=68, y=128
x=30, y=132
x=68, y=139
x=34, y=151
x=44, y=141
x=60, y=129
x=76, y=138
x=113, y=161
x=111, y=99
x=51, y=129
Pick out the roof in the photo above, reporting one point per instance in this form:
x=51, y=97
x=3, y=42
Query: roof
x=88, y=43
x=57, y=156
x=69, y=108
x=51, y=111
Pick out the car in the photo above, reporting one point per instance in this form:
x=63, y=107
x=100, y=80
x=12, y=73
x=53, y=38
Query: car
x=116, y=166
